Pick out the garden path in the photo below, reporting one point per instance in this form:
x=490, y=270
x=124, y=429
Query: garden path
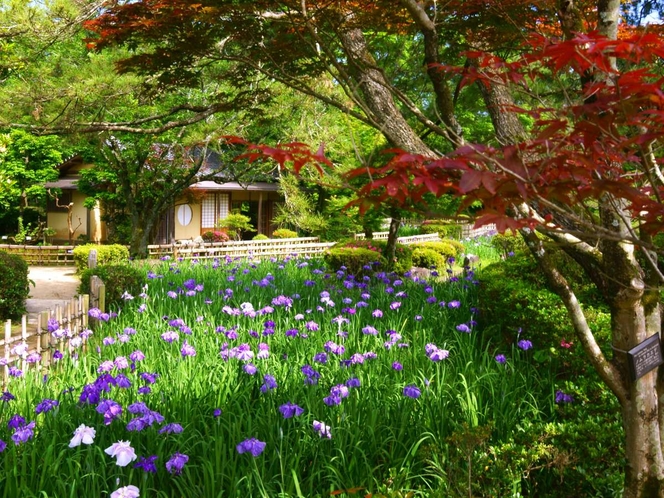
x=53, y=285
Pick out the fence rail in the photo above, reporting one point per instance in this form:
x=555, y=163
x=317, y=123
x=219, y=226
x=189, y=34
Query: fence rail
x=411, y=239
x=42, y=255
x=63, y=255
x=36, y=344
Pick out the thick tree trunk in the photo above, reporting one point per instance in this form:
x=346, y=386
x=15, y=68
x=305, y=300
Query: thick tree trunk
x=377, y=95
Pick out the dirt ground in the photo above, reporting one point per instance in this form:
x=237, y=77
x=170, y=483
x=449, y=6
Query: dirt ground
x=52, y=285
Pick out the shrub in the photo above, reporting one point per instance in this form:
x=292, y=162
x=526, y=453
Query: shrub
x=117, y=278
x=235, y=224
x=508, y=243
x=14, y=286
x=444, y=230
x=427, y=258
x=215, y=236
x=357, y=260
x=284, y=233
x=438, y=228
x=261, y=236
x=445, y=249
x=515, y=294
x=106, y=254
x=403, y=253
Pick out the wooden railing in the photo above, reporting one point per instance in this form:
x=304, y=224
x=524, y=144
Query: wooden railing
x=32, y=344
x=42, y=255
x=411, y=239
x=300, y=246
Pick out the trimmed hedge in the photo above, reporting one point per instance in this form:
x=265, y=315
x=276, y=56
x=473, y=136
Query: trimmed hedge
x=403, y=253
x=445, y=248
x=284, y=233
x=428, y=258
x=118, y=279
x=261, y=236
x=357, y=261
x=106, y=254
x=14, y=286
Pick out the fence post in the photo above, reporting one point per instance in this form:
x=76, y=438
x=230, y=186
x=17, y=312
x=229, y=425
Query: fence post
x=44, y=338
x=8, y=338
x=92, y=259
x=97, y=293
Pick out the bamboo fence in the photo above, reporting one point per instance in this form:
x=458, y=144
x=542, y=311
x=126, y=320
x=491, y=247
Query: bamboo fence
x=35, y=344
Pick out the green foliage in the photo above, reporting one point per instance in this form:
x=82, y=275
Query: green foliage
x=427, y=258
x=26, y=163
x=508, y=243
x=106, y=254
x=343, y=221
x=284, y=233
x=447, y=249
x=438, y=228
x=299, y=209
x=117, y=278
x=357, y=260
x=515, y=295
x=235, y=224
x=14, y=286
x=403, y=253
x=261, y=236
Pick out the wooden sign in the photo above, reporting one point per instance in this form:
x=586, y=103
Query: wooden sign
x=645, y=356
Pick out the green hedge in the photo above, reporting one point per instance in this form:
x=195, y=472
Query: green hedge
x=284, y=233
x=117, y=278
x=106, y=254
x=447, y=249
x=357, y=260
x=14, y=286
x=428, y=258
x=403, y=253
x=514, y=294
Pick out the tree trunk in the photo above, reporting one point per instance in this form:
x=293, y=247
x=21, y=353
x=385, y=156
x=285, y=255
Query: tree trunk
x=377, y=95
x=391, y=248
x=143, y=228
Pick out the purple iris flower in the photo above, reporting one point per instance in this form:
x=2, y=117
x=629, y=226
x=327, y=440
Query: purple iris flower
x=269, y=383
x=290, y=410
x=500, y=358
x=411, y=391
x=249, y=368
x=147, y=464
x=24, y=433
x=187, y=350
x=524, y=344
x=15, y=422
x=110, y=409
x=46, y=405
x=171, y=428
x=311, y=326
x=176, y=463
x=320, y=358
x=251, y=445
x=562, y=397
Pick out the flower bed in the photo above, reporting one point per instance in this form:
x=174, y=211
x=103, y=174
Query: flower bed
x=271, y=379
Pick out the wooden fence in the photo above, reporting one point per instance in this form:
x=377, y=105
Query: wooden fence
x=300, y=246
x=36, y=344
x=411, y=239
x=42, y=255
